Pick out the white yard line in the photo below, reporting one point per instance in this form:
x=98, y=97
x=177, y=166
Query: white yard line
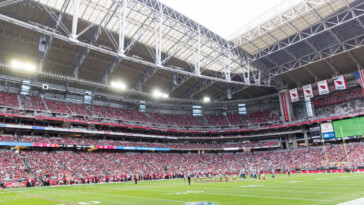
x=312, y=187
x=268, y=197
x=354, y=202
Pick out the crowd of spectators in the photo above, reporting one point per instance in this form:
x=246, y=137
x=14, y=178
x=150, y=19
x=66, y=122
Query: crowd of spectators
x=43, y=163
x=58, y=106
x=33, y=102
x=234, y=119
x=9, y=99
x=91, y=113
x=217, y=120
x=104, y=164
x=110, y=142
x=79, y=109
x=11, y=167
x=262, y=117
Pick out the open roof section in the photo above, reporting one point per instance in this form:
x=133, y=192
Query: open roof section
x=283, y=21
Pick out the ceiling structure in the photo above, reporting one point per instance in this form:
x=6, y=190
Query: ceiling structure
x=309, y=41
x=149, y=46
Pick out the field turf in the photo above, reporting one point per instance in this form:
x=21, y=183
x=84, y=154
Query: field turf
x=297, y=189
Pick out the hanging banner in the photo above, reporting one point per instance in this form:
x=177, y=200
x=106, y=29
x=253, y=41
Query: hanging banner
x=293, y=93
x=284, y=106
x=323, y=87
x=339, y=82
x=307, y=91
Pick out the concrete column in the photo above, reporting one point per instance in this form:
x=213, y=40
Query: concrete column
x=305, y=137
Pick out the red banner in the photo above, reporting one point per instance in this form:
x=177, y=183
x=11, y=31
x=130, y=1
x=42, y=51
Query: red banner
x=105, y=147
x=338, y=98
x=284, y=106
x=45, y=145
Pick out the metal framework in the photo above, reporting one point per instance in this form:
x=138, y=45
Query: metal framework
x=257, y=35
x=175, y=36
x=9, y=2
x=94, y=35
x=55, y=24
x=323, y=54
x=168, y=35
x=347, y=15
x=340, y=18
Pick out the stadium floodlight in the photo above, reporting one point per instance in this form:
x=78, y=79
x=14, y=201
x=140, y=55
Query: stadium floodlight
x=159, y=94
x=118, y=85
x=22, y=66
x=206, y=99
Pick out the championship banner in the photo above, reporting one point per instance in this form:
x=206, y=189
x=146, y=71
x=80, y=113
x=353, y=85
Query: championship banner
x=284, y=106
x=293, y=93
x=340, y=82
x=307, y=91
x=323, y=87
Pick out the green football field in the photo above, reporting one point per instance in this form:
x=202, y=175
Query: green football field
x=297, y=189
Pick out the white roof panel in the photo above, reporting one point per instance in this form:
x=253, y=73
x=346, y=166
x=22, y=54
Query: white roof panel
x=301, y=14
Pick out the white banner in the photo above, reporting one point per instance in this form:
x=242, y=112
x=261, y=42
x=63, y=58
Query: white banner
x=340, y=82
x=307, y=91
x=323, y=87
x=293, y=93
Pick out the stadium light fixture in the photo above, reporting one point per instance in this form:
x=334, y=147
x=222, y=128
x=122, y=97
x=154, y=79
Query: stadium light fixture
x=118, y=85
x=159, y=94
x=206, y=99
x=19, y=65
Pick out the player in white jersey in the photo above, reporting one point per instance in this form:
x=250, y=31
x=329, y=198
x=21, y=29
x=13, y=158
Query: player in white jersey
x=234, y=175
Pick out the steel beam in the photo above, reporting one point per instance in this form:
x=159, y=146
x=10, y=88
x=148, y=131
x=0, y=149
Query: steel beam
x=152, y=70
x=94, y=36
x=76, y=5
x=234, y=90
x=259, y=76
x=9, y=2
x=117, y=60
x=280, y=19
x=326, y=53
x=122, y=23
x=172, y=14
x=345, y=16
x=58, y=23
x=144, y=78
x=197, y=89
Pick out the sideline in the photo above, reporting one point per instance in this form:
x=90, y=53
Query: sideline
x=15, y=189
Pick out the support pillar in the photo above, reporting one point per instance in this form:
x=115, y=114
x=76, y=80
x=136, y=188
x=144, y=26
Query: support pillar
x=285, y=106
x=305, y=137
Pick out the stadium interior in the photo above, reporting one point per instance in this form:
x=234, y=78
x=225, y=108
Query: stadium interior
x=110, y=90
